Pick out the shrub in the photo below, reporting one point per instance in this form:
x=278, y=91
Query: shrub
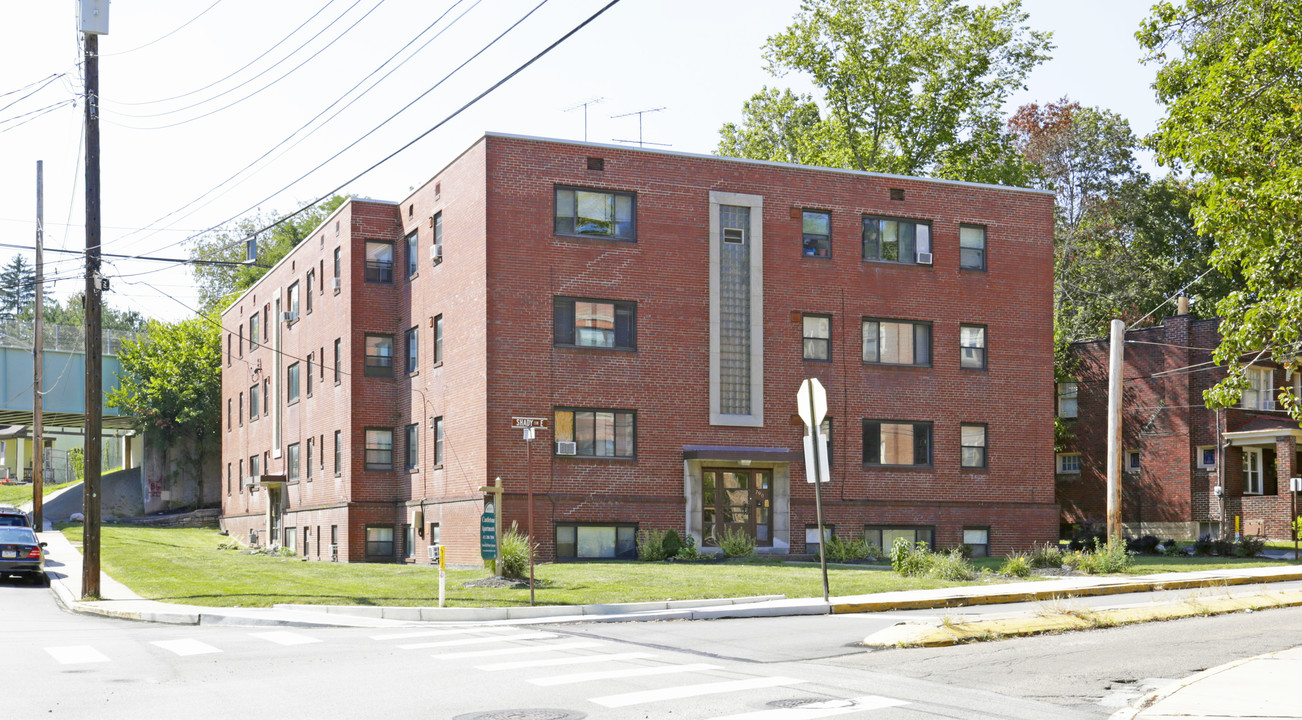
x=1016, y=565
x=1146, y=544
x=963, y=550
x=1170, y=547
x=908, y=558
x=1084, y=536
x=688, y=550
x=1203, y=546
x=672, y=543
x=735, y=543
x=950, y=566
x=1249, y=547
x=651, y=545
x=839, y=550
x=911, y=559
x=76, y=459
x=1047, y=555
x=513, y=554
x=1110, y=558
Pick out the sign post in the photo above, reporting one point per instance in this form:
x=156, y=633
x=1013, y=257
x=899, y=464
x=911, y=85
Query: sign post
x=811, y=403
x=529, y=425
x=1295, y=486
x=488, y=532
x=443, y=575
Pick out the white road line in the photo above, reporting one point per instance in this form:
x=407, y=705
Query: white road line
x=282, y=637
x=477, y=640
x=438, y=633
x=73, y=654
x=573, y=660
x=626, y=672
x=185, y=647
x=827, y=708
x=520, y=650
x=686, y=691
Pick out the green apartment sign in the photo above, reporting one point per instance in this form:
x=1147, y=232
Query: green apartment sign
x=488, y=532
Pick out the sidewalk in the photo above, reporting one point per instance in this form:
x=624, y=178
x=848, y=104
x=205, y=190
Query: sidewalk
x=1252, y=689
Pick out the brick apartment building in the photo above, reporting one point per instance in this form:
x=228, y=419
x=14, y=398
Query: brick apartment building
x=1175, y=450
x=661, y=310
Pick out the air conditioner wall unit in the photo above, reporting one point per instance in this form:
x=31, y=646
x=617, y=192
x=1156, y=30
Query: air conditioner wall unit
x=566, y=448
x=733, y=235
x=436, y=253
x=924, y=258
x=287, y=316
x=335, y=283
x=334, y=553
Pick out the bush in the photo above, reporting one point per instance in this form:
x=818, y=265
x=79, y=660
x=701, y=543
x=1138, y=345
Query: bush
x=1110, y=558
x=688, y=550
x=951, y=566
x=513, y=554
x=1085, y=536
x=1047, y=555
x=76, y=459
x=1202, y=547
x=1016, y=565
x=1170, y=547
x=651, y=545
x=839, y=550
x=1249, y=547
x=910, y=559
x=736, y=543
x=672, y=543
x=1146, y=544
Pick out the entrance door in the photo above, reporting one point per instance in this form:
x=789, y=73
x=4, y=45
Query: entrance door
x=737, y=499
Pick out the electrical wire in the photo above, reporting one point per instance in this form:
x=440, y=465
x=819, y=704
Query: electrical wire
x=32, y=115
x=52, y=76
x=48, y=80
x=181, y=27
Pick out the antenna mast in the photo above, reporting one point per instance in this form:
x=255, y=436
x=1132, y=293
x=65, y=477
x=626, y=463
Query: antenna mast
x=584, y=105
x=639, y=113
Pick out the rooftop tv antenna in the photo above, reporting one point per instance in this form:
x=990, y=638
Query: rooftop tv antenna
x=639, y=113
x=584, y=105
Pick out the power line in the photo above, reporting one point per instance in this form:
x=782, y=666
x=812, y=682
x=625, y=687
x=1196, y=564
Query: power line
x=48, y=80
x=42, y=80
x=35, y=114
x=182, y=26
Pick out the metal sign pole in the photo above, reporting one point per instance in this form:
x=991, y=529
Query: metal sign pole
x=528, y=462
x=818, y=500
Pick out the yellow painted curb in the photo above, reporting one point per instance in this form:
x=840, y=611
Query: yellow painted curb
x=918, y=635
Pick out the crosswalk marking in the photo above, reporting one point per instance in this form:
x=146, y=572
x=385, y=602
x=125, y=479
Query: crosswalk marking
x=624, y=673
x=520, y=650
x=813, y=711
x=185, y=646
x=73, y=654
x=477, y=640
x=572, y=660
x=686, y=691
x=281, y=637
x=441, y=632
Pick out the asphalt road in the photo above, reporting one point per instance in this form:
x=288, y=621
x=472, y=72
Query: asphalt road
x=61, y=665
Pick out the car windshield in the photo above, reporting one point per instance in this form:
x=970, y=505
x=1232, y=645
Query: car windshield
x=17, y=535
x=13, y=520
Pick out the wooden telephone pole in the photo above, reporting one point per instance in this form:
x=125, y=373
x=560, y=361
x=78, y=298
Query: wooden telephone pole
x=38, y=364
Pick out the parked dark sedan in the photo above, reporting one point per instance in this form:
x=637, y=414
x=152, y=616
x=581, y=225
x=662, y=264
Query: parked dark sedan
x=10, y=515
x=21, y=554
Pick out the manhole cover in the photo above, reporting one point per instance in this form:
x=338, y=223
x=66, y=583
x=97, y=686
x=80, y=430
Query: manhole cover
x=794, y=702
x=524, y=714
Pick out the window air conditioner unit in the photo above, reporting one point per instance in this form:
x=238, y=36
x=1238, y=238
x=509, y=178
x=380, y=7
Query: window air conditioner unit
x=567, y=448
x=251, y=481
x=733, y=235
x=334, y=553
x=287, y=316
x=924, y=258
x=436, y=253
x=334, y=283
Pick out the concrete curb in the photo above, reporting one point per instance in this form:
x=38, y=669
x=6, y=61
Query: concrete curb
x=587, y=612
x=945, y=634
x=1157, y=696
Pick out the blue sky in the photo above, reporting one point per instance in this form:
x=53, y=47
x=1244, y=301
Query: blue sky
x=166, y=140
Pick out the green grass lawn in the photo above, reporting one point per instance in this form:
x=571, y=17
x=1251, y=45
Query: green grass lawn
x=19, y=494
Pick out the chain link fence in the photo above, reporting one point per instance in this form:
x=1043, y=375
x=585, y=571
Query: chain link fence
x=66, y=338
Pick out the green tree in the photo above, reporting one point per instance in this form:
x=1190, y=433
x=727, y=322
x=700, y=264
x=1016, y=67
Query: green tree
x=220, y=284
x=171, y=383
x=1229, y=78
x=73, y=312
x=17, y=286
x=913, y=87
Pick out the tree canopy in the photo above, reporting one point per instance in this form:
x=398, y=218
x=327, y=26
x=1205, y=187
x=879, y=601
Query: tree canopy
x=1228, y=74
x=913, y=87
x=17, y=285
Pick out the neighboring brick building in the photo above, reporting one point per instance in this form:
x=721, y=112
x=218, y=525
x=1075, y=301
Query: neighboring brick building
x=1170, y=461
x=661, y=309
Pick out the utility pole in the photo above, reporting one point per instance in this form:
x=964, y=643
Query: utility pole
x=1115, y=373
x=93, y=22
x=38, y=362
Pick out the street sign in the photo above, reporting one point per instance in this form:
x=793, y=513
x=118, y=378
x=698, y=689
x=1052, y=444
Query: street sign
x=435, y=554
x=488, y=532
x=811, y=402
x=1295, y=484
x=521, y=423
x=824, y=470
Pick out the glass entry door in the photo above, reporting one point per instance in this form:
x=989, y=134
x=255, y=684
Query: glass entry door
x=737, y=499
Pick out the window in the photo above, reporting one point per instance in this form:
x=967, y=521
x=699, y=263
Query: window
x=575, y=541
x=594, y=323
x=408, y=542
x=1252, y=472
x=228, y=480
x=254, y=401
x=379, y=356
x=239, y=342
x=972, y=247
x=230, y=341
x=338, y=266
x=291, y=462
x=379, y=261
x=412, y=246
x=811, y=536
x=1067, y=399
x=1068, y=463
x=595, y=213
x=291, y=537
x=311, y=283
x=972, y=439
x=438, y=441
x=379, y=448
x=977, y=538
x=437, y=221
x=379, y=541
x=896, y=343
x=1132, y=461
x=438, y=339
x=435, y=537
x=229, y=422
x=411, y=338
x=293, y=301
x=310, y=443
x=338, y=360
x=339, y=452
x=1259, y=394
x=253, y=330
x=266, y=396
x=413, y=448
x=1207, y=457
x=816, y=234
x=240, y=478
x=817, y=334
x=884, y=536
x=310, y=359
x=596, y=433
x=255, y=466
x=291, y=384
x=902, y=444
x=894, y=240
x=972, y=347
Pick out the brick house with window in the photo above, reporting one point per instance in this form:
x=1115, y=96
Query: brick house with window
x=1175, y=450
x=661, y=310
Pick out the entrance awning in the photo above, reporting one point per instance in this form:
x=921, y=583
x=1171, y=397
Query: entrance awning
x=732, y=453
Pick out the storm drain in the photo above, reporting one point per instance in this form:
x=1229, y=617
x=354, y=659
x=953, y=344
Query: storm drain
x=524, y=714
